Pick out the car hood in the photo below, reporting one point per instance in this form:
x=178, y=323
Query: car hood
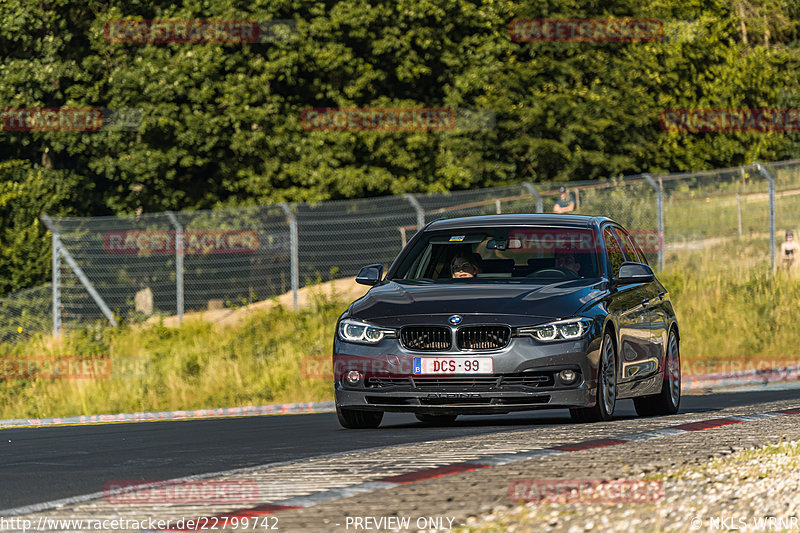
x=395, y=304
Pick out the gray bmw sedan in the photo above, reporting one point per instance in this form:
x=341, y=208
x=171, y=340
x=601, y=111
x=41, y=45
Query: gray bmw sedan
x=501, y=313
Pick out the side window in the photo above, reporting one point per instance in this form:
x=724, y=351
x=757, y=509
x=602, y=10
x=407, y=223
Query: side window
x=631, y=254
x=613, y=250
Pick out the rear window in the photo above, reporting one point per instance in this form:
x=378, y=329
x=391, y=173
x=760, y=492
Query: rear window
x=501, y=254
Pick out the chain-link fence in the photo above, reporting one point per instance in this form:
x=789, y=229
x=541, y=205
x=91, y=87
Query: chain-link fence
x=132, y=267
x=787, y=208
x=722, y=209
x=25, y=313
x=166, y=263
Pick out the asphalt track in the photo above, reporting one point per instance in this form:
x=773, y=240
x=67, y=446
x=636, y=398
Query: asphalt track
x=50, y=463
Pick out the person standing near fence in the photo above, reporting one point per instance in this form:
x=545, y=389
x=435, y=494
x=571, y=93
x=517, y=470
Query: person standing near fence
x=566, y=202
x=790, y=252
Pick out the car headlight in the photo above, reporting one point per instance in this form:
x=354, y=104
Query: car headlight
x=561, y=330
x=355, y=331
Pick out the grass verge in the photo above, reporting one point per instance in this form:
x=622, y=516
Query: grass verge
x=199, y=365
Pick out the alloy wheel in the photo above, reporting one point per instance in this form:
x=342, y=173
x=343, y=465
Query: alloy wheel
x=608, y=376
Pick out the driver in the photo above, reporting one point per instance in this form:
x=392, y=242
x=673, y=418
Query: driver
x=568, y=261
x=463, y=267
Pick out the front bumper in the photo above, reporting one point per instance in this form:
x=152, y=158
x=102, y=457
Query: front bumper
x=524, y=378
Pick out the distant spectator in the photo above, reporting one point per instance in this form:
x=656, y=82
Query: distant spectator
x=790, y=251
x=565, y=203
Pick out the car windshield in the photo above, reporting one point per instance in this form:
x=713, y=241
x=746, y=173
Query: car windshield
x=501, y=254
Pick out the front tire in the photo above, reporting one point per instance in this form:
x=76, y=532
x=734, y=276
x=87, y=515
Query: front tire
x=606, y=398
x=436, y=420
x=668, y=400
x=356, y=419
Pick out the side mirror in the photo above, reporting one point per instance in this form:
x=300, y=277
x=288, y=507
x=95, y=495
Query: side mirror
x=370, y=275
x=631, y=272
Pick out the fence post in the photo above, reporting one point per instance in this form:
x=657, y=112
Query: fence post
x=530, y=188
x=771, y=181
x=294, y=254
x=179, y=305
x=744, y=179
x=418, y=208
x=81, y=274
x=739, y=213
x=659, y=216
x=56, y=283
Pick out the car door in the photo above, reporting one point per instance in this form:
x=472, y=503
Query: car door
x=629, y=304
x=654, y=295
x=656, y=303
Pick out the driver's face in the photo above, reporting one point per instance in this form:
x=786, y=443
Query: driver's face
x=568, y=261
x=463, y=268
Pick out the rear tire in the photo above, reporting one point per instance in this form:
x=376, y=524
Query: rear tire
x=436, y=420
x=355, y=419
x=668, y=401
x=606, y=398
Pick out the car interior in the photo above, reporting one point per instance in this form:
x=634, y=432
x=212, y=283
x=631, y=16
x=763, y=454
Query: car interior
x=498, y=257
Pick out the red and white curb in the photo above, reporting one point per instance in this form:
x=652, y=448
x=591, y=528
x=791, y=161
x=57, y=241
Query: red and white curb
x=151, y=416
x=389, y=482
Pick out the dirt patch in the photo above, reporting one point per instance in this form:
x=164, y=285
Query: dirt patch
x=345, y=288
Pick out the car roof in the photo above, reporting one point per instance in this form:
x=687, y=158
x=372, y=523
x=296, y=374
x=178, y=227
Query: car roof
x=572, y=221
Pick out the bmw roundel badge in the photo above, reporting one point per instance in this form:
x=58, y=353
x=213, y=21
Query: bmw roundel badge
x=455, y=320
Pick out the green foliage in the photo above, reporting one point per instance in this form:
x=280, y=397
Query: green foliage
x=221, y=121
x=26, y=191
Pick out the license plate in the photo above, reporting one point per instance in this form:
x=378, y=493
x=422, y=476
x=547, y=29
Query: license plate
x=452, y=365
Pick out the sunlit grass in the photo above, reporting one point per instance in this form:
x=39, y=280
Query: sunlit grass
x=729, y=306
x=199, y=365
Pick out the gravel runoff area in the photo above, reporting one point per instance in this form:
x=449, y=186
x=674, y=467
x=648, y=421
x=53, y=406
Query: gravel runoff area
x=756, y=489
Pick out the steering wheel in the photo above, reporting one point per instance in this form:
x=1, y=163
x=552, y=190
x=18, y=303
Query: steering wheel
x=559, y=273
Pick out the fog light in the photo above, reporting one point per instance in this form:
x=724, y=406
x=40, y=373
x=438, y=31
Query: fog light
x=567, y=376
x=352, y=377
